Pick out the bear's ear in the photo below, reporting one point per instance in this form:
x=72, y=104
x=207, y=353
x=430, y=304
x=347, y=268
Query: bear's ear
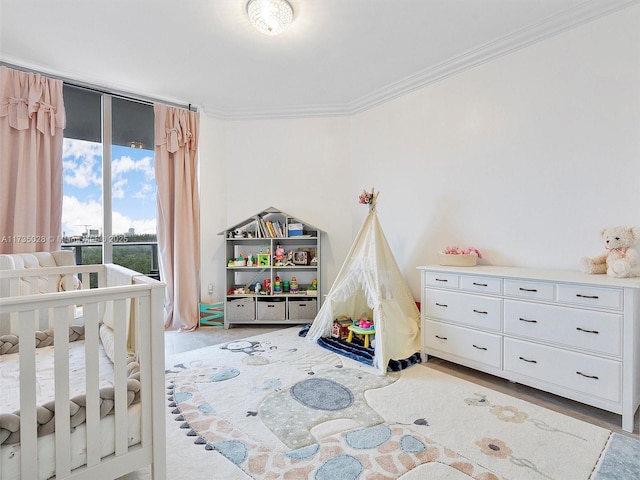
x=603, y=231
x=635, y=232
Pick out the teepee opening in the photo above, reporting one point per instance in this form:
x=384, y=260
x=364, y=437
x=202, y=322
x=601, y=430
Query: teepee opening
x=370, y=283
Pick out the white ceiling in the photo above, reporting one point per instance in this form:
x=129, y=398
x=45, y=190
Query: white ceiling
x=338, y=57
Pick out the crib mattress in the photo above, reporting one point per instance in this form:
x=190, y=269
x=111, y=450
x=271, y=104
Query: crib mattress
x=10, y=454
x=45, y=378
x=45, y=388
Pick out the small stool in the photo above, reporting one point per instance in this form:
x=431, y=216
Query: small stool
x=212, y=312
x=360, y=331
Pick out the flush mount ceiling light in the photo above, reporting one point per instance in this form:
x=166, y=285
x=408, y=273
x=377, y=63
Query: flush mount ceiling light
x=270, y=17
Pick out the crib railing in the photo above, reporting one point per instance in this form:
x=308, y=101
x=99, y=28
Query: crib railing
x=25, y=315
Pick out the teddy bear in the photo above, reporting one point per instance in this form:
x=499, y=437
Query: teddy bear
x=621, y=259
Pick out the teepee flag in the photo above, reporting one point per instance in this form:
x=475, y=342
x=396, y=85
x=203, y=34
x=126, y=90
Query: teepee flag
x=370, y=279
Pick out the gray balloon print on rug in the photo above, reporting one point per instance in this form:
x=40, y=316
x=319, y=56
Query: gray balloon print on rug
x=330, y=395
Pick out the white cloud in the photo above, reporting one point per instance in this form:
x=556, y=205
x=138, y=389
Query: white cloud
x=117, y=191
x=79, y=216
x=122, y=224
x=146, y=192
x=125, y=164
x=81, y=149
x=80, y=159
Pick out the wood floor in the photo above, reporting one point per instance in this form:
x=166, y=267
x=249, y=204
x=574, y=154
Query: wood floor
x=207, y=335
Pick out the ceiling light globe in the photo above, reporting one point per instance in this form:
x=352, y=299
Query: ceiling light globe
x=270, y=17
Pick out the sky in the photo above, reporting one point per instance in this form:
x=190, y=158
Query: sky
x=133, y=189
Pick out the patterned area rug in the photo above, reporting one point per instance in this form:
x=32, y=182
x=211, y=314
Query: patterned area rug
x=277, y=406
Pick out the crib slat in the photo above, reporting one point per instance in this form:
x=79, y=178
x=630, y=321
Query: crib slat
x=120, y=375
x=157, y=383
x=91, y=343
x=61, y=365
x=28, y=417
x=143, y=346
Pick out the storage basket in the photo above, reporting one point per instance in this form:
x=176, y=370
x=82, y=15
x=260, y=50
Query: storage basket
x=302, y=309
x=458, y=260
x=271, y=309
x=241, y=309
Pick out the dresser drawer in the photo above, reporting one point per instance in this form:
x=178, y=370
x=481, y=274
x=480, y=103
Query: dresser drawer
x=481, y=284
x=529, y=289
x=583, y=329
x=443, y=280
x=463, y=342
x=597, y=377
x=473, y=310
x=591, y=296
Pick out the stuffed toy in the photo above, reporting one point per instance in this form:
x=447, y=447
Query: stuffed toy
x=621, y=259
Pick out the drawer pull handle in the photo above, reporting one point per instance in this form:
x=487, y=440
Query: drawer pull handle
x=441, y=280
x=527, y=360
x=441, y=304
x=479, y=311
x=588, y=376
x=479, y=348
x=480, y=284
x=441, y=338
x=587, y=331
x=528, y=289
x=527, y=320
x=594, y=297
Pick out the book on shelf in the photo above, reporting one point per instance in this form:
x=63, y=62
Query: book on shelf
x=272, y=232
x=269, y=228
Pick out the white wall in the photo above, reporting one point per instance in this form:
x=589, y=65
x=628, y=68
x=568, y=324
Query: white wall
x=300, y=166
x=526, y=157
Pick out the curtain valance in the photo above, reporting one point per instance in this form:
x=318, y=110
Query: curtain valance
x=28, y=96
x=174, y=127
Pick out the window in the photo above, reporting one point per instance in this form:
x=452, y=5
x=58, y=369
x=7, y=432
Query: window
x=109, y=141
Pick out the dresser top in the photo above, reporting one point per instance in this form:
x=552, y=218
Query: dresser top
x=538, y=274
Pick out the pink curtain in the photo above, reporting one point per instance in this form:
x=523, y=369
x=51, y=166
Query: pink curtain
x=32, y=118
x=176, y=133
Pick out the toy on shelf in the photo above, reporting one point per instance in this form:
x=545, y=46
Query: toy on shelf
x=293, y=285
x=289, y=261
x=279, y=256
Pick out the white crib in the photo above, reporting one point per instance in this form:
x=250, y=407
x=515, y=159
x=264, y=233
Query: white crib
x=100, y=421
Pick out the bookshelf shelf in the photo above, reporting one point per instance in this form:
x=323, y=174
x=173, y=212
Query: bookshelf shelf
x=251, y=249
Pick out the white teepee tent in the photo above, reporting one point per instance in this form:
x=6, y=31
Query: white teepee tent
x=371, y=280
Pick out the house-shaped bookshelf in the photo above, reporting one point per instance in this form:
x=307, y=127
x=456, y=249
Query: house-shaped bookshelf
x=272, y=270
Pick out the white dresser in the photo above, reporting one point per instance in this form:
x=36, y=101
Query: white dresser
x=564, y=332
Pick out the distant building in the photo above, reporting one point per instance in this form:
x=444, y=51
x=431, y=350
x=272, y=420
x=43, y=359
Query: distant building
x=132, y=232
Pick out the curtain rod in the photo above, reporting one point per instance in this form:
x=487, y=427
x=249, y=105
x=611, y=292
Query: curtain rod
x=102, y=90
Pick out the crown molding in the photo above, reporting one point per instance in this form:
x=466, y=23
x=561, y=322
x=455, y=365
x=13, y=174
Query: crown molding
x=566, y=20
x=296, y=111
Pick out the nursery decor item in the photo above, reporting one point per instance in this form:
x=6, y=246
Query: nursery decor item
x=621, y=259
x=368, y=198
x=371, y=279
x=457, y=257
x=234, y=404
